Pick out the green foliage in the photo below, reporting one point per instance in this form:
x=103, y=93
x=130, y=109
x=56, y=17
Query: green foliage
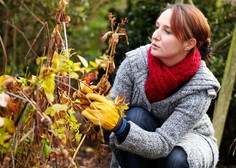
x=26, y=37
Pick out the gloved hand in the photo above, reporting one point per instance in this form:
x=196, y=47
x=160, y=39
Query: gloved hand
x=83, y=90
x=102, y=112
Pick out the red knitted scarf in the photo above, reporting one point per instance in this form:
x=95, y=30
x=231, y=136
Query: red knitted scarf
x=163, y=80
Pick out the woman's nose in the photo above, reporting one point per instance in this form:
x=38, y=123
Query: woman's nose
x=156, y=35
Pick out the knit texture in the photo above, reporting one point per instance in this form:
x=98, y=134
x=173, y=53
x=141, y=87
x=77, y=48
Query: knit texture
x=186, y=123
x=162, y=80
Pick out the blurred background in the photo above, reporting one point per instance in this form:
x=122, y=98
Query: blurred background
x=26, y=27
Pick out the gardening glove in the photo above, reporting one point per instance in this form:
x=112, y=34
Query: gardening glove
x=84, y=89
x=102, y=112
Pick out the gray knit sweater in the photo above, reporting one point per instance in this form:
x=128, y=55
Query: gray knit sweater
x=186, y=123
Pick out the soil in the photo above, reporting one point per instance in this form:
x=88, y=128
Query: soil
x=94, y=155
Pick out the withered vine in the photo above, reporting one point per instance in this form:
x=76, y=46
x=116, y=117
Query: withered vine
x=38, y=127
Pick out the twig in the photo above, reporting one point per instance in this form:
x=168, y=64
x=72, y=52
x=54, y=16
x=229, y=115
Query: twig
x=223, y=41
x=31, y=46
x=17, y=96
x=27, y=134
x=77, y=149
x=32, y=13
x=22, y=33
x=67, y=54
x=4, y=54
x=231, y=148
x=2, y=2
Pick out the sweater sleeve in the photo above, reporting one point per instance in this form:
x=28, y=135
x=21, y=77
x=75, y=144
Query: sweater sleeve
x=153, y=145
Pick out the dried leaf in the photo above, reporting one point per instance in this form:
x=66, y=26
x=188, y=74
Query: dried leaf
x=12, y=106
x=89, y=79
x=103, y=85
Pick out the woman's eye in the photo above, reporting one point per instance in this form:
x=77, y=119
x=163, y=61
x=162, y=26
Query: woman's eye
x=168, y=31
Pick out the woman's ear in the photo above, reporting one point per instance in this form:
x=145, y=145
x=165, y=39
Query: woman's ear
x=190, y=44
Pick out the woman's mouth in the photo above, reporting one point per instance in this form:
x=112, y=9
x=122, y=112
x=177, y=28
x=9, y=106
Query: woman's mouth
x=154, y=46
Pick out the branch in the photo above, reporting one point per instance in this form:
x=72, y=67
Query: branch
x=32, y=13
x=31, y=45
x=23, y=35
x=4, y=54
x=220, y=43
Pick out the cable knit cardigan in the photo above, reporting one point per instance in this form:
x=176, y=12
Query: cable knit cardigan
x=186, y=123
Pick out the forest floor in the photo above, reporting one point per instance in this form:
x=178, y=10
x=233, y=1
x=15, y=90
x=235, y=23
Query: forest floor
x=90, y=156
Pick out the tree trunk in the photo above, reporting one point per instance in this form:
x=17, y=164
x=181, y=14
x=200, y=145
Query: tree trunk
x=222, y=104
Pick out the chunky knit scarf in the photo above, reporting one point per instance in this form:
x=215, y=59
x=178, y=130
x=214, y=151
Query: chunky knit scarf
x=163, y=80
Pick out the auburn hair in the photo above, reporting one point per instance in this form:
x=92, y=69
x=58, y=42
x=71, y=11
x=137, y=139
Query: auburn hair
x=188, y=22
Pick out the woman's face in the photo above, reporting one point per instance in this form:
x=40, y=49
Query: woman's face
x=165, y=45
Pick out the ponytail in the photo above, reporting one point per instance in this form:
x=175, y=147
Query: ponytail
x=205, y=49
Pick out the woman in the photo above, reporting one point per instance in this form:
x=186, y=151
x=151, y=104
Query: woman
x=169, y=90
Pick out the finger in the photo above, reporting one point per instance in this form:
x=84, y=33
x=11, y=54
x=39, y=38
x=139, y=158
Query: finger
x=90, y=117
x=96, y=97
x=102, y=99
x=95, y=116
x=85, y=88
x=102, y=106
x=105, y=111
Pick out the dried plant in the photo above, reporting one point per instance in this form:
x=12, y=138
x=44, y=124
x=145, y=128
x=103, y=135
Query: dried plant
x=38, y=127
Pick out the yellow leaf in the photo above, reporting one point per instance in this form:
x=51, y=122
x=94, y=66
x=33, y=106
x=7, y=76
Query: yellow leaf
x=7, y=124
x=93, y=64
x=40, y=60
x=55, y=108
x=83, y=60
x=56, y=61
x=74, y=75
x=76, y=66
x=48, y=85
